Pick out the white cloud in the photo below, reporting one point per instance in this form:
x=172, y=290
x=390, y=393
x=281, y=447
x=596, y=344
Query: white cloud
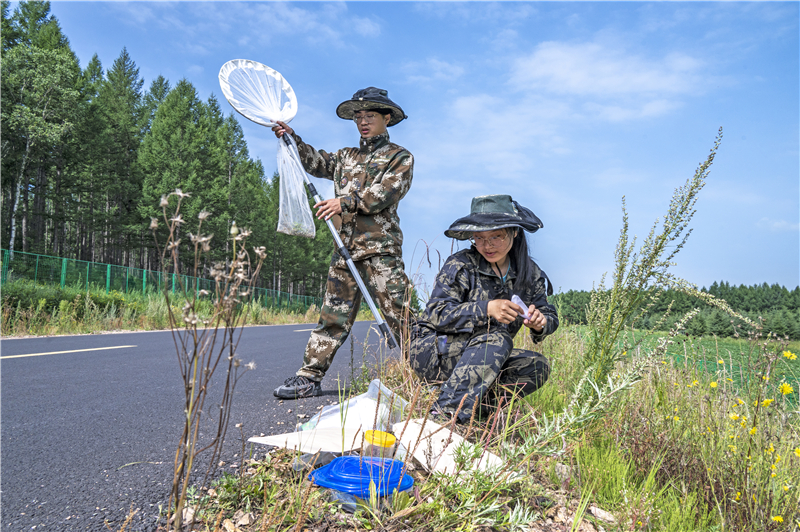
x=432, y=70
x=777, y=225
x=592, y=69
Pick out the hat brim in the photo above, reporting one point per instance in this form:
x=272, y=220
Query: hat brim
x=348, y=108
x=464, y=228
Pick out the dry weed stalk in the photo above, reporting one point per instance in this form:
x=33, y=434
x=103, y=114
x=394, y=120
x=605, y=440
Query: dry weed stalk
x=204, y=343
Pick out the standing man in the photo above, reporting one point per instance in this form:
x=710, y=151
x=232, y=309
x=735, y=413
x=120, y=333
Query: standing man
x=369, y=182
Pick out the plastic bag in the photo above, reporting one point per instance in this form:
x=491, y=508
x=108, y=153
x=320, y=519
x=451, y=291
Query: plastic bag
x=294, y=216
x=359, y=412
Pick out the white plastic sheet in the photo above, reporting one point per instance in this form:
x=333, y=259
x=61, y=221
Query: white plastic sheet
x=360, y=411
x=263, y=96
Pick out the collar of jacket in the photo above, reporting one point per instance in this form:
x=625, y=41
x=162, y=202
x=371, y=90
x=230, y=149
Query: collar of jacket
x=371, y=144
x=485, y=268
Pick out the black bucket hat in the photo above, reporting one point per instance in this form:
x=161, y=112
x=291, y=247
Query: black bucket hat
x=488, y=213
x=370, y=98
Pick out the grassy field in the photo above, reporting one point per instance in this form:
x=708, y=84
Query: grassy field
x=685, y=447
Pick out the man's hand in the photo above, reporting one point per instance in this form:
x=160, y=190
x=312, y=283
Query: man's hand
x=503, y=310
x=280, y=128
x=328, y=208
x=537, y=320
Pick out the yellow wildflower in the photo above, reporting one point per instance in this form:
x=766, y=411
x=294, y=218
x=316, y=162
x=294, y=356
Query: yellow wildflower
x=786, y=388
x=720, y=361
x=729, y=379
x=786, y=488
x=771, y=449
x=734, y=417
x=743, y=423
x=797, y=452
x=767, y=402
x=752, y=431
x=676, y=418
x=790, y=355
x=777, y=518
x=774, y=474
x=695, y=383
x=732, y=448
x=738, y=495
x=713, y=384
x=676, y=410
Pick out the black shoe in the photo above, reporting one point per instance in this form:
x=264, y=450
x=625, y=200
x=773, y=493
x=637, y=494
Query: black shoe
x=297, y=387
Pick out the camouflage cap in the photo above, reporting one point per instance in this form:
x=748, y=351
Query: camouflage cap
x=370, y=98
x=496, y=211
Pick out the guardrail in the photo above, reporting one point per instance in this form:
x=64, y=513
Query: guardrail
x=74, y=272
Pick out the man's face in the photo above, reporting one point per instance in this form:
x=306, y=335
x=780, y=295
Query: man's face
x=371, y=123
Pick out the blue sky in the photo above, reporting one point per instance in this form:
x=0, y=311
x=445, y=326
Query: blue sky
x=568, y=107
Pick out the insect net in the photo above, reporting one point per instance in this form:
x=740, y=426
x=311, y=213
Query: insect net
x=263, y=96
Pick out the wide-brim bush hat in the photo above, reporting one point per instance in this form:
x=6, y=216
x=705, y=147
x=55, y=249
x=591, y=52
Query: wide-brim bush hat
x=370, y=98
x=488, y=213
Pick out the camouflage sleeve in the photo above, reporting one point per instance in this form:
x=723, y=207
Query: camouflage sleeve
x=547, y=310
x=449, y=309
x=382, y=193
x=318, y=163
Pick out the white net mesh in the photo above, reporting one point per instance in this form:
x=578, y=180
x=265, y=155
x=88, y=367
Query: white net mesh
x=257, y=92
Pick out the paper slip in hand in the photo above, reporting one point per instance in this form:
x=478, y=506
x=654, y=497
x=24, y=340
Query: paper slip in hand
x=517, y=301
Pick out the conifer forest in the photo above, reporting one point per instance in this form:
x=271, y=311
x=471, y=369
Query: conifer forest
x=88, y=151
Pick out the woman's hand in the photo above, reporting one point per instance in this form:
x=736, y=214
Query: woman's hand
x=328, y=208
x=537, y=320
x=503, y=310
x=280, y=128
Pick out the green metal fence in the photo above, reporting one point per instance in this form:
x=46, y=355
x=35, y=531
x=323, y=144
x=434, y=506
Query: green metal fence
x=73, y=272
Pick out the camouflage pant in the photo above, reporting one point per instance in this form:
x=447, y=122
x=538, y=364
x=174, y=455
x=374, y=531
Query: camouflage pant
x=384, y=277
x=472, y=364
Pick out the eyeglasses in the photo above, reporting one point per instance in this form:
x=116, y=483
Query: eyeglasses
x=369, y=118
x=494, y=241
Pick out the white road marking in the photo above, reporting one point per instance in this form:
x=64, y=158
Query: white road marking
x=304, y=330
x=72, y=351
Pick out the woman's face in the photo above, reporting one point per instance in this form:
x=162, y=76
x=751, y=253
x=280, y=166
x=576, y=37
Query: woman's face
x=493, y=245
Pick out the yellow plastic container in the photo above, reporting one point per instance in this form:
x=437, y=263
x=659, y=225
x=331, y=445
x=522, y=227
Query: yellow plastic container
x=379, y=444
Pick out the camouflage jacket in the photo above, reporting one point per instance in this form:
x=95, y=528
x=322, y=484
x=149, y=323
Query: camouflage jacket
x=465, y=285
x=370, y=181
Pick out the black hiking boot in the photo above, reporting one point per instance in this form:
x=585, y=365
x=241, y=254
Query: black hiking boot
x=297, y=387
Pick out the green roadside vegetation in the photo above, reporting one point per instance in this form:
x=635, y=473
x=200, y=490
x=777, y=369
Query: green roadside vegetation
x=31, y=309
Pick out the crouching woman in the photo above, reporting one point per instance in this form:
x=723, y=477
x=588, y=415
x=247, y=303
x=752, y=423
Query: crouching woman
x=465, y=338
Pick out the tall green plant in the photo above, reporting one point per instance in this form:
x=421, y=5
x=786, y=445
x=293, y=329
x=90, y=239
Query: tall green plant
x=637, y=272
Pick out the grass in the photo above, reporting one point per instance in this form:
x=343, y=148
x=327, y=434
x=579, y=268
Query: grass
x=671, y=455
x=40, y=310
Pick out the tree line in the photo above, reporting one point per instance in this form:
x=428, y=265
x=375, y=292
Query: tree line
x=87, y=153
x=774, y=305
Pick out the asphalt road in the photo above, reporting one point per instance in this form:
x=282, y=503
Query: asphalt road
x=89, y=424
